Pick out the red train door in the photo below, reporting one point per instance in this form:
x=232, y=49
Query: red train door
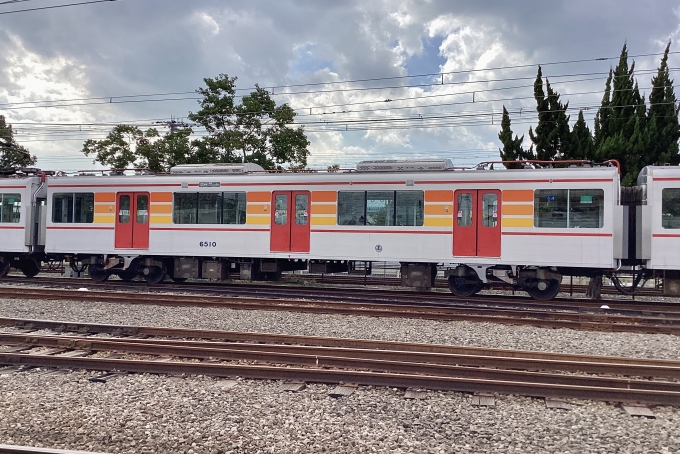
x=476, y=226
x=290, y=221
x=132, y=220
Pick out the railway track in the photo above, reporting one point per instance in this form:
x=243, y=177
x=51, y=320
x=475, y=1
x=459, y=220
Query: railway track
x=13, y=449
x=337, y=360
x=648, y=322
x=370, y=295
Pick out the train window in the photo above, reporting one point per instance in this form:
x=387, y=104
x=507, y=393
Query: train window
x=73, y=208
x=281, y=213
x=234, y=208
x=464, y=215
x=10, y=208
x=410, y=207
x=670, y=208
x=209, y=207
x=351, y=207
x=380, y=208
x=489, y=210
x=185, y=207
x=301, y=209
x=569, y=208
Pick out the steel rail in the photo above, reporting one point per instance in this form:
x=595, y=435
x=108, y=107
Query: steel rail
x=288, y=339
x=376, y=360
x=333, y=376
x=552, y=319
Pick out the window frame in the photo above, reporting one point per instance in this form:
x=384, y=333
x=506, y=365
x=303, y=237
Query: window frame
x=240, y=196
x=83, y=215
x=665, y=208
x=3, y=196
x=419, y=219
x=567, y=194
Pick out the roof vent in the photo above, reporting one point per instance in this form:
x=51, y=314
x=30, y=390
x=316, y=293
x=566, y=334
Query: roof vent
x=215, y=169
x=394, y=165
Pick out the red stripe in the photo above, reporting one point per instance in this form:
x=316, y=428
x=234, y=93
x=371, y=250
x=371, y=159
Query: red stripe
x=666, y=179
x=666, y=235
x=543, y=180
x=557, y=234
x=88, y=227
x=121, y=185
x=208, y=229
x=12, y=187
x=422, y=232
x=11, y=227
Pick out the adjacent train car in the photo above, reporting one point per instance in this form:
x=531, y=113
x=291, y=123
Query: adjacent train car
x=525, y=228
x=659, y=236
x=22, y=206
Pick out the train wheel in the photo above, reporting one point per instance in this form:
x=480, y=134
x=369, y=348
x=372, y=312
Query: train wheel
x=29, y=266
x=178, y=280
x=154, y=274
x=98, y=274
x=461, y=286
x=4, y=268
x=544, y=291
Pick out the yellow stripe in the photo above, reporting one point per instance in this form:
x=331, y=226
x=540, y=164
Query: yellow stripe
x=438, y=222
x=160, y=219
x=258, y=220
x=323, y=220
x=517, y=222
x=105, y=219
x=518, y=210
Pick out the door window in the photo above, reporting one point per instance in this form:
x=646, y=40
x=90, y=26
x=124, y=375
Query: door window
x=142, y=209
x=124, y=209
x=301, y=212
x=489, y=210
x=464, y=214
x=281, y=213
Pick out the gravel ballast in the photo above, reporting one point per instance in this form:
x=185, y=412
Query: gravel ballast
x=146, y=413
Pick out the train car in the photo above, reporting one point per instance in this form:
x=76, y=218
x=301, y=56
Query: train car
x=525, y=228
x=659, y=236
x=22, y=206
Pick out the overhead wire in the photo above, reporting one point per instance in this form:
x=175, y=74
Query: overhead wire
x=55, y=6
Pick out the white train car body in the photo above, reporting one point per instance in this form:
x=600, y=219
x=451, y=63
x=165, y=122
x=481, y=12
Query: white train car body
x=530, y=217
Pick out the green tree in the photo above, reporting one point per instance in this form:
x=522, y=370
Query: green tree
x=551, y=137
x=256, y=130
x=662, y=129
x=512, y=148
x=582, y=146
x=603, y=114
x=622, y=135
x=12, y=155
x=128, y=146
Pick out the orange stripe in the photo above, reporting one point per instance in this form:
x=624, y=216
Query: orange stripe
x=518, y=209
x=104, y=196
x=257, y=209
x=323, y=209
x=259, y=197
x=324, y=196
x=555, y=234
x=104, y=209
x=160, y=209
x=439, y=196
x=161, y=196
x=518, y=195
x=438, y=209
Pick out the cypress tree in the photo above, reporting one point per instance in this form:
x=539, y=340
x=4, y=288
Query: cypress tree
x=622, y=136
x=603, y=114
x=551, y=137
x=512, y=148
x=582, y=146
x=662, y=129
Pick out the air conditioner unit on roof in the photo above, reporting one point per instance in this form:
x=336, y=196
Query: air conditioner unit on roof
x=215, y=169
x=407, y=165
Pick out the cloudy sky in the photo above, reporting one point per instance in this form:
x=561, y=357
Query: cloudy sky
x=369, y=79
